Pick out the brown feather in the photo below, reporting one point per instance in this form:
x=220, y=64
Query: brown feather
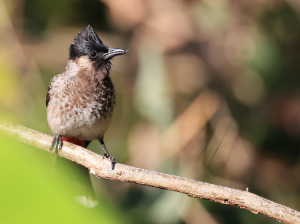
x=48, y=96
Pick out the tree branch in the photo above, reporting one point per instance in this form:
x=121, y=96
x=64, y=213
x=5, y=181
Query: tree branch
x=102, y=168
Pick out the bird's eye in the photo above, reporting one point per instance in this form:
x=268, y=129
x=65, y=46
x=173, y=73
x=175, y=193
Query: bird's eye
x=93, y=54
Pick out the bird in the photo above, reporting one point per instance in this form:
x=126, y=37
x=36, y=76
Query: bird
x=80, y=101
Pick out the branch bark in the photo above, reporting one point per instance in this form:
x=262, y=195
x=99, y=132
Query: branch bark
x=102, y=168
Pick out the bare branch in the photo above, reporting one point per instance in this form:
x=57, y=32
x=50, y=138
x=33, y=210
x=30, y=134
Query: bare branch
x=102, y=168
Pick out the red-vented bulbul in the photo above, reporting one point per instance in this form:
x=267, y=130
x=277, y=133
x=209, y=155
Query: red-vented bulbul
x=80, y=101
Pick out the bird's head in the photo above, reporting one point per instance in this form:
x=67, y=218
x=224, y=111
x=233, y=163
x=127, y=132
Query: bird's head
x=88, y=44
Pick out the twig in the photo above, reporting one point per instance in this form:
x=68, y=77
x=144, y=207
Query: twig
x=102, y=168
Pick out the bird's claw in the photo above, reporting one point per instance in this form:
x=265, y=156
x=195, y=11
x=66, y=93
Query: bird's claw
x=57, y=144
x=112, y=160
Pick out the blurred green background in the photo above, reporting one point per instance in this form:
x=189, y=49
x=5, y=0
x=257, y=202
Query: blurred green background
x=200, y=76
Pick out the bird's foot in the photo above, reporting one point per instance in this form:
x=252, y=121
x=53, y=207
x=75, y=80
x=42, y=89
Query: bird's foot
x=57, y=144
x=106, y=154
x=112, y=160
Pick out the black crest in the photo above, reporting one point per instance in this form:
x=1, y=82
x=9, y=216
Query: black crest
x=85, y=43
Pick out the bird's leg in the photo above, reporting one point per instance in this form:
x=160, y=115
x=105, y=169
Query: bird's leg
x=57, y=143
x=106, y=154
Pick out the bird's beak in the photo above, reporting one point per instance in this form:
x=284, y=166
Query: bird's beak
x=112, y=52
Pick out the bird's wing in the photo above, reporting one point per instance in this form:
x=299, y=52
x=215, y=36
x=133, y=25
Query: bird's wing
x=48, y=97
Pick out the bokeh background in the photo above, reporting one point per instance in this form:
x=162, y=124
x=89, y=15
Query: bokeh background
x=209, y=90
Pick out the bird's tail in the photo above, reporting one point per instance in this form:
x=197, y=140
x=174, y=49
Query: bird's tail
x=80, y=181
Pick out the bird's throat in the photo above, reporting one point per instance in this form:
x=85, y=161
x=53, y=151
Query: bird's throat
x=73, y=140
